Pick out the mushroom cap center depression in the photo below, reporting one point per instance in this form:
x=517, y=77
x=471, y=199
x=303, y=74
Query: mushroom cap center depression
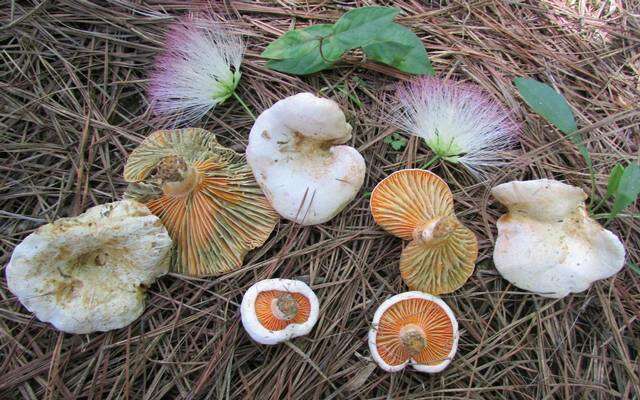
x=413, y=339
x=284, y=306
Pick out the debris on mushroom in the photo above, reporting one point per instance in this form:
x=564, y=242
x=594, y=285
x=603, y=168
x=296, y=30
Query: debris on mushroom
x=205, y=195
x=276, y=310
x=417, y=205
x=297, y=153
x=413, y=328
x=89, y=273
x=547, y=243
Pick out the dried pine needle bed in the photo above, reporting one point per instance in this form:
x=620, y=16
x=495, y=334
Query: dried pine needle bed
x=73, y=106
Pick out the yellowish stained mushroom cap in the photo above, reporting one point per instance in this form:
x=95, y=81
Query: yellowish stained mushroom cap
x=89, y=273
x=417, y=205
x=206, y=196
x=413, y=328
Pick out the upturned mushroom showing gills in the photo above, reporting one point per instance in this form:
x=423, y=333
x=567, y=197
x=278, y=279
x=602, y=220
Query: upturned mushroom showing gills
x=276, y=310
x=417, y=205
x=297, y=153
x=89, y=273
x=547, y=243
x=205, y=195
x=413, y=328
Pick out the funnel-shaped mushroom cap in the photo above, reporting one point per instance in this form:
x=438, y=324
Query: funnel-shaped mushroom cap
x=417, y=205
x=413, y=328
x=276, y=310
x=547, y=243
x=205, y=195
x=89, y=273
x=296, y=153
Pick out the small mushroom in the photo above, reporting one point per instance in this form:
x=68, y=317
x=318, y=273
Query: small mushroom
x=205, y=195
x=276, y=310
x=89, y=273
x=417, y=205
x=547, y=243
x=413, y=328
x=297, y=155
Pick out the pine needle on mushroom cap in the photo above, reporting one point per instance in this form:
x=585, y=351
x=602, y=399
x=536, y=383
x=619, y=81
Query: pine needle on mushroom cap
x=206, y=196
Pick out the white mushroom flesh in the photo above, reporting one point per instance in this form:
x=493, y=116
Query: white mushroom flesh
x=297, y=155
x=89, y=273
x=547, y=243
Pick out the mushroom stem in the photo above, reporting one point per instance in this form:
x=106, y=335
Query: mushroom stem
x=176, y=177
x=285, y=306
x=436, y=229
x=412, y=338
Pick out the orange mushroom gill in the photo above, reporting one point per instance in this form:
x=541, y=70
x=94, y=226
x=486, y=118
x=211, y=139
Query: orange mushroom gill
x=277, y=309
x=415, y=329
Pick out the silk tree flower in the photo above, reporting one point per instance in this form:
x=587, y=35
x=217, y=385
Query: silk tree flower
x=198, y=69
x=460, y=123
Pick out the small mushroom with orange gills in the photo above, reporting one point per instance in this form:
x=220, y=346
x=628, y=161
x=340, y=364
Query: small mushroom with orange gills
x=205, y=195
x=417, y=205
x=413, y=328
x=277, y=310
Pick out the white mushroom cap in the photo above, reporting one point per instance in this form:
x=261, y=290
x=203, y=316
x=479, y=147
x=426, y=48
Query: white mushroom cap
x=430, y=315
x=261, y=313
x=88, y=273
x=547, y=243
x=297, y=158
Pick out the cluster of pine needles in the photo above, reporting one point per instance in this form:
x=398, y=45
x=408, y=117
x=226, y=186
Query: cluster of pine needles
x=73, y=106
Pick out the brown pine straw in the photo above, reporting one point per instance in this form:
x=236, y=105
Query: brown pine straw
x=72, y=80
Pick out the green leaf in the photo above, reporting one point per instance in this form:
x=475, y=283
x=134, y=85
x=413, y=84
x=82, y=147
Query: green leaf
x=306, y=64
x=357, y=28
x=614, y=180
x=627, y=190
x=634, y=267
x=298, y=42
x=396, y=141
x=553, y=107
x=400, y=48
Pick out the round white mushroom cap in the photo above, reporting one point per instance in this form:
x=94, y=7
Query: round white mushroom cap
x=547, y=243
x=89, y=273
x=276, y=310
x=297, y=155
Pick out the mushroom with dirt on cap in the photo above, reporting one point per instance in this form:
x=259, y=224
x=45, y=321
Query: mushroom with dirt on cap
x=417, y=205
x=413, y=328
x=205, y=195
x=547, y=243
x=298, y=155
x=276, y=310
x=90, y=273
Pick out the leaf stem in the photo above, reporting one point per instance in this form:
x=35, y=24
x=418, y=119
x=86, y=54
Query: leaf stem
x=430, y=162
x=244, y=105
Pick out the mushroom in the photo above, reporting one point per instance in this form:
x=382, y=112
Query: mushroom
x=547, y=243
x=276, y=310
x=413, y=328
x=205, y=195
x=417, y=205
x=89, y=273
x=297, y=155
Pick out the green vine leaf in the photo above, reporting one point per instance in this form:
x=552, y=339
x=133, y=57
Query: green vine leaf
x=312, y=49
x=553, y=107
x=626, y=190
